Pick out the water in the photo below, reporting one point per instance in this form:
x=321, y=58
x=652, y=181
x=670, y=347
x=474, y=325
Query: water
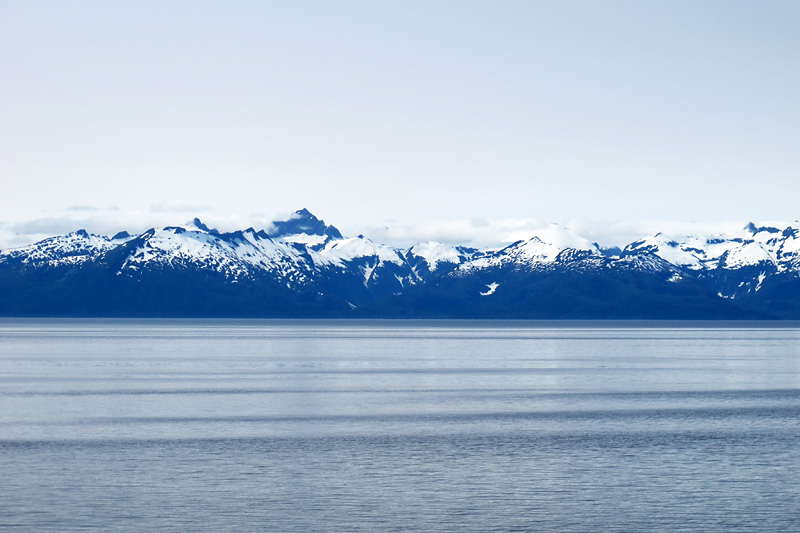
x=397, y=426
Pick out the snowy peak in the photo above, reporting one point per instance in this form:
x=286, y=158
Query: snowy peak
x=782, y=244
x=432, y=254
x=564, y=238
x=342, y=251
x=236, y=255
x=688, y=253
x=548, y=243
x=303, y=230
x=70, y=249
x=764, y=231
x=753, y=246
x=548, y=246
x=196, y=223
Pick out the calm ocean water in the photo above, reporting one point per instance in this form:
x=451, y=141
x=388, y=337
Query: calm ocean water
x=397, y=426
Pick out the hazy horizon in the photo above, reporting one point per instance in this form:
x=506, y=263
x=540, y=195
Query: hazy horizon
x=449, y=117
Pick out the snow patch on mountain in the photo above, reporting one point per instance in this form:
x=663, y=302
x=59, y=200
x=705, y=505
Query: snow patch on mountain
x=342, y=251
x=304, y=239
x=749, y=253
x=435, y=252
x=491, y=288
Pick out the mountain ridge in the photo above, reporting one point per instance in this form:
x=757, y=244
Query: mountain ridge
x=302, y=267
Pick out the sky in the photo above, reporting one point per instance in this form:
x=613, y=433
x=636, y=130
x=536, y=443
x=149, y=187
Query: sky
x=408, y=120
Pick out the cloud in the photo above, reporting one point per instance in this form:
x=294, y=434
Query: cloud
x=621, y=233
x=110, y=220
x=475, y=232
x=478, y=232
x=483, y=233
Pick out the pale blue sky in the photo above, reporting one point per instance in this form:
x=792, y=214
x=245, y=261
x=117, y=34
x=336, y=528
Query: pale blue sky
x=379, y=113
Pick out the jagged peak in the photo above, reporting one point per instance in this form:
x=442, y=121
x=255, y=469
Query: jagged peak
x=753, y=229
x=82, y=233
x=305, y=222
x=260, y=234
x=197, y=223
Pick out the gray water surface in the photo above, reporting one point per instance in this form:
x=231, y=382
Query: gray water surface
x=397, y=426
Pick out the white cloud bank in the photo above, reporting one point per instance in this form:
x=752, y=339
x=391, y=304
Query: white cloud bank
x=110, y=220
x=478, y=232
x=488, y=233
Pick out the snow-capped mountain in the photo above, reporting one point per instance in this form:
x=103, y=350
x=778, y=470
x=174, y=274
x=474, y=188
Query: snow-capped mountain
x=429, y=257
x=540, y=251
x=237, y=255
x=303, y=267
x=66, y=250
x=738, y=265
x=777, y=247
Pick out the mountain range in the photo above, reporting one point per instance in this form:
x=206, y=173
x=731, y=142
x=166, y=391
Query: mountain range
x=302, y=267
